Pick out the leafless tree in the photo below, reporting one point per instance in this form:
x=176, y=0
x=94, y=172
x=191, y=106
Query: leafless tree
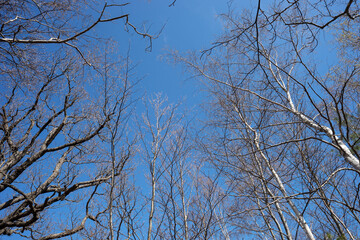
x=116, y=205
x=34, y=27
x=64, y=111
x=184, y=203
x=53, y=121
x=49, y=133
x=156, y=130
x=283, y=126
x=312, y=16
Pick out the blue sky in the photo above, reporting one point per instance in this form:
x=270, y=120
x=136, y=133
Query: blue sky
x=189, y=25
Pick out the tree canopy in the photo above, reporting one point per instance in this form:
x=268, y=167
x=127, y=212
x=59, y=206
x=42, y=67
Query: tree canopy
x=273, y=154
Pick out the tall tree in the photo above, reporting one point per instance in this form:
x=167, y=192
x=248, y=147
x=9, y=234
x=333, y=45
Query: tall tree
x=53, y=121
x=284, y=122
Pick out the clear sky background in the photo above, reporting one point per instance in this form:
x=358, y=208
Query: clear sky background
x=190, y=25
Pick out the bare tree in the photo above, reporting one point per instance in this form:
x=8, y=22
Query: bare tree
x=64, y=112
x=311, y=16
x=51, y=119
x=118, y=147
x=51, y=133
x=182, y=200
x=159, y=121
x=37, y=26
x=283, y=126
